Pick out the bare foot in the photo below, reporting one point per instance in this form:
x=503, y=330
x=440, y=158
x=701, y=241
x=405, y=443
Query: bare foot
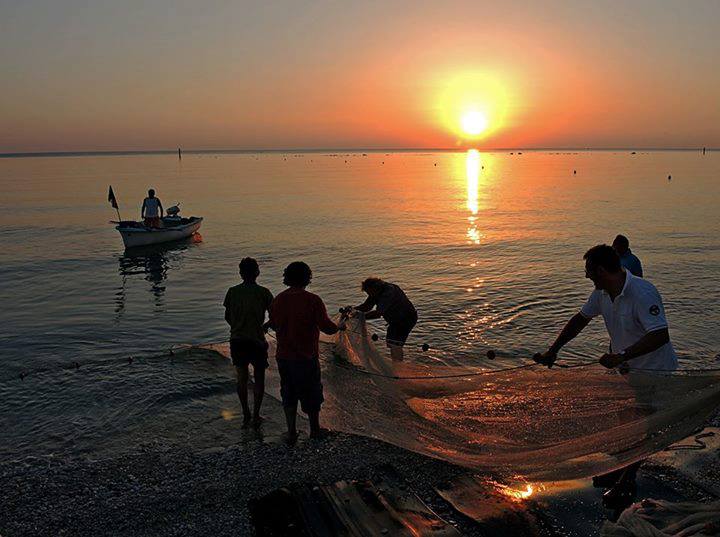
x=320, y=434
x=257, y=422
x=247, y=421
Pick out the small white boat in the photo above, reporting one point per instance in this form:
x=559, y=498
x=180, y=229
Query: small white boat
x=174, y=228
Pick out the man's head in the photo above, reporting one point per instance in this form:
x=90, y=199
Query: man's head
x=602, y=265
x=297, y=274
x=151, y=193
x=249, y=269
x=621, y=244
x=372, y=286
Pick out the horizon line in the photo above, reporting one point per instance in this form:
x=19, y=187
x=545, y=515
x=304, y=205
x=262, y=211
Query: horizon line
x=121, y=152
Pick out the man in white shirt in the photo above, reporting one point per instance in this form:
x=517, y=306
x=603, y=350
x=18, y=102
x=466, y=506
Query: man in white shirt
x=639, y=339
x=633, y=312
x=151, y=210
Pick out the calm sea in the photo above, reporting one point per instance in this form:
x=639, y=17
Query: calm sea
x=487, y=245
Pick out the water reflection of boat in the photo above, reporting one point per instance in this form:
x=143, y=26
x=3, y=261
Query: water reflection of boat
x=152, y=263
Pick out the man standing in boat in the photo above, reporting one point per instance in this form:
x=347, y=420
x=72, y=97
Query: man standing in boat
x=245, y=307
x=151, y=210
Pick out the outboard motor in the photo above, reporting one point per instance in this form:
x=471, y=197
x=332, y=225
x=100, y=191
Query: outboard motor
x=173, y=216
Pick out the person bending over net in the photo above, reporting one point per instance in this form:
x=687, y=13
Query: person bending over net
x=639, y=340
x=393, y=305
x=298, y=317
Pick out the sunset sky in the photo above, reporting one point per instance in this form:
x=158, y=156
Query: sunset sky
x=158, y=74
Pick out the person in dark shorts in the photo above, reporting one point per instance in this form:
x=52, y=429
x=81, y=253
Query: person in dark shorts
x=245, y=307
x=298, y=316
x=392, y=304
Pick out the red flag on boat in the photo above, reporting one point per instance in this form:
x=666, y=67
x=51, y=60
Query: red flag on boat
x=111, y=198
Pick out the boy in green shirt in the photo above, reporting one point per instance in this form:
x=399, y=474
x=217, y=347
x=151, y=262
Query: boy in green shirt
x=245, y=307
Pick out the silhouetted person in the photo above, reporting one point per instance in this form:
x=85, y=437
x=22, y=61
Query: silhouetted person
x=151, y=210
x=245, y=307
x=392, y=304
x=639, y=339
x=628, y=260
x=298, y=316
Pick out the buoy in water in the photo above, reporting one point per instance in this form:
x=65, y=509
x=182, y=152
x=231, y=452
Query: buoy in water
x=374, y=337
x=425, y=347
x=490, y=354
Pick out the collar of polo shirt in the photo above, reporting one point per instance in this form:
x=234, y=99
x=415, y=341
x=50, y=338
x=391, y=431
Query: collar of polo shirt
x=628, y=276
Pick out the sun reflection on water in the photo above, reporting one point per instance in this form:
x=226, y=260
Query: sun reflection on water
x=472, y=167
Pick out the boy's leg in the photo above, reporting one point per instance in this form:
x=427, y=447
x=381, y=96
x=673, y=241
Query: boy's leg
x=291, y=420
x=314, y=418
x=258, y=392
x=242, y=379
x=289, y=398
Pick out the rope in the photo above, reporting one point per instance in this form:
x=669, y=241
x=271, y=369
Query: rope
x=189, y=346
x=697, y=446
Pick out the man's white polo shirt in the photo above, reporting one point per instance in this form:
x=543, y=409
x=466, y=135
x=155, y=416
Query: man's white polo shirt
x=636, y=311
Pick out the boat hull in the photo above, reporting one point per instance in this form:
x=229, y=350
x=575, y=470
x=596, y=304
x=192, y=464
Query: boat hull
x=142, y=236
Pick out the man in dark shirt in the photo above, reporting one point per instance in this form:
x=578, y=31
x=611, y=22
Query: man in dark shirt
x=245, y=307
x=393, y=305
x=298, y=316
x=628, y=260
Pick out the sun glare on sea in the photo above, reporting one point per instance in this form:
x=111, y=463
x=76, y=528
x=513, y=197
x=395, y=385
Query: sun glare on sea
x=474, y=122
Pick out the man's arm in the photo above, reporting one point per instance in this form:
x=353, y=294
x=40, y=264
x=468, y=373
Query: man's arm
x=325, y=323
x=160, y=208
x=572, y=328
x=366, y=306
x=374, y=314
x=226, y=303
x=650, y=342
x=142, y=210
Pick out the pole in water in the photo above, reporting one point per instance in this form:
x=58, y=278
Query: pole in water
x=179, y=154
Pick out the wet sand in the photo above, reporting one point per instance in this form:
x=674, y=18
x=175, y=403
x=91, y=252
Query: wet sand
x=159, y=489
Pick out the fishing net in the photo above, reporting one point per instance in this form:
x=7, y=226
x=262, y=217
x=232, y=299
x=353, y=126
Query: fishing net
x=521, y=422
x=658, y=518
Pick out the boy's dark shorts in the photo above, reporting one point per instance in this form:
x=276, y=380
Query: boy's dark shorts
x=300, y=381
x=249, y=351
x=398, y=332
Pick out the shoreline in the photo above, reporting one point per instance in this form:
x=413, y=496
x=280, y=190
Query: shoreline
x=161, y=487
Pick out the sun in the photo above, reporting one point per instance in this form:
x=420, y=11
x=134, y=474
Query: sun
x=473, y=122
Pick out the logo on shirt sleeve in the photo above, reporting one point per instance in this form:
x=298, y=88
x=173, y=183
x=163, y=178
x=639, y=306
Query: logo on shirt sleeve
x=655, y=310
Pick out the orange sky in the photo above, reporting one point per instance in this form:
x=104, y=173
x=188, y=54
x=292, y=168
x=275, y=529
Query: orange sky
x=225, y=75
